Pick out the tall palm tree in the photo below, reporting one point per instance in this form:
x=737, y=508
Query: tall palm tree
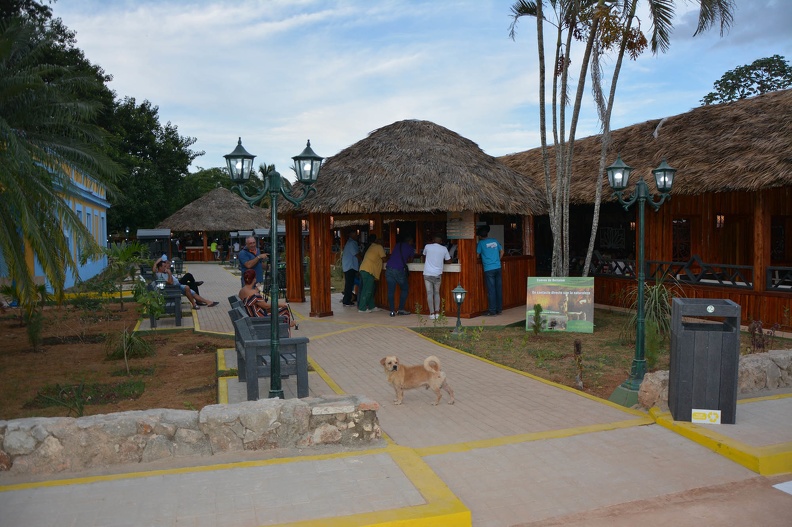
x=605, y=26
x=46, y=131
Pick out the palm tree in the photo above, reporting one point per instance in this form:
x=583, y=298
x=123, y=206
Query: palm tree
x=605, y=26
x=46, y=132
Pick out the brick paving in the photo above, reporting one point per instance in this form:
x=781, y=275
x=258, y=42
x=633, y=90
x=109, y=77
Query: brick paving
x=512, y=450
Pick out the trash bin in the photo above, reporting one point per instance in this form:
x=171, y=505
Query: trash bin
x=705, y=356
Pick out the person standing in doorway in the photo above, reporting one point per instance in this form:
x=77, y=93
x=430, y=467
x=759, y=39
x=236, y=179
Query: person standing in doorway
x=435, y=255
x=490, y=251
x=250, y=258
x=370, y=270
x=350, y=263
x=396, y=273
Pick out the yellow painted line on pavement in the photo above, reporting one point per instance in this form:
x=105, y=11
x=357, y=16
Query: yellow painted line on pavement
x=533, y=436
x=594, y=398
x=325, y=377
x=345, y=330
x=766, y=460
x=441, y=507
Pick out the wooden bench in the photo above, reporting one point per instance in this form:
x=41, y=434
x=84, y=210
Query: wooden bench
x=253, y=344
x=172, y=294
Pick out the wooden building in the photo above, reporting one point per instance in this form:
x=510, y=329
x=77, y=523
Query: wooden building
x=726, y=232
x=416, y=177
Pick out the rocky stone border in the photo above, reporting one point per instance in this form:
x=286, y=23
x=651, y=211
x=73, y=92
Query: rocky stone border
x=758, y=372
x=56, y=444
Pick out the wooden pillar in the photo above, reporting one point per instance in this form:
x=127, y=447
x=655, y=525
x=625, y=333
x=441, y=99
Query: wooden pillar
x=761, y=235
x=320, y=245
x=295, y=284
x=205, y=257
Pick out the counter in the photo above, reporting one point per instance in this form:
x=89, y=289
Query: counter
x=447, y=268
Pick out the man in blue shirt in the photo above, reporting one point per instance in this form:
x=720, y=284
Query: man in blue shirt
x=250, y=258
x=490, y=251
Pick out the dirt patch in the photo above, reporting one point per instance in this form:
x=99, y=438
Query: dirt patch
x=180, y=375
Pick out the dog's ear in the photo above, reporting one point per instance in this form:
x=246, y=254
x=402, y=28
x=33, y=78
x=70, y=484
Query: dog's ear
x=382, y=361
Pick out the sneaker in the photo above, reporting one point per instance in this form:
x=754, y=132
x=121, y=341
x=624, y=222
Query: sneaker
x=373, y=309
x=348, y=305
x=433, y=316
x=402, y=312
x=393, y=313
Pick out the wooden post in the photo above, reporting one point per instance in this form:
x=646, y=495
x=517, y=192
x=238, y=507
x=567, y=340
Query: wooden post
x=761, y=234
x=295, y=284
x=320, y=243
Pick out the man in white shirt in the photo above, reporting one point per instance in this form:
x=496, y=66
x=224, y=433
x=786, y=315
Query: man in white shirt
x=435, y=255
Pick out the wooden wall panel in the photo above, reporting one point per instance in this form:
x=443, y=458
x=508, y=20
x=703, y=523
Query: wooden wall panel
x=769, y=307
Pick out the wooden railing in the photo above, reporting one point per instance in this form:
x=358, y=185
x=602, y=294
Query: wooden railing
x=693, y=272
x=779, y=279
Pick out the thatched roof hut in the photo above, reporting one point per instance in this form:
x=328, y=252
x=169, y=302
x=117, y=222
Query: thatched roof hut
x=219, y=210
x=418, y=166
x=744, y=145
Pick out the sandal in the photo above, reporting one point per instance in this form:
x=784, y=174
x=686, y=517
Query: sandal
x=213, y=304
x=196, y=308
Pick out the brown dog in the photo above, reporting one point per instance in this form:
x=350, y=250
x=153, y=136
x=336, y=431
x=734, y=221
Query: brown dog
x=404, y=377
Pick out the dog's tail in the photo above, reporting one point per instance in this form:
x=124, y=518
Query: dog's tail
x=432, y=364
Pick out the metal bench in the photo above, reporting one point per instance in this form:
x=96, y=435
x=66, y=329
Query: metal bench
x=172, y=294
x=234, y=301
x=253, y=344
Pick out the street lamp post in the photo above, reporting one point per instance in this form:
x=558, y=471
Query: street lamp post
x=459, y=297
x=618, y=177
x=306, y=165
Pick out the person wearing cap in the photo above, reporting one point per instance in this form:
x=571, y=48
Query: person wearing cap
x=491, y=251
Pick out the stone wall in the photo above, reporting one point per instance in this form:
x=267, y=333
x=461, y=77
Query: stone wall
x=758, y=372
x=56, y=444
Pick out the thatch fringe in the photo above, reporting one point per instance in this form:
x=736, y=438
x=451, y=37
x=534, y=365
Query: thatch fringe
x=744, y=145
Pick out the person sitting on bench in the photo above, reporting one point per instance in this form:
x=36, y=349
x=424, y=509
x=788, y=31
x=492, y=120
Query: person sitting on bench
x=255, y=304
x=162, y=272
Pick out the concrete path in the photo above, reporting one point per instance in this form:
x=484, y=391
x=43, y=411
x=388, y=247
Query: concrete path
x=513, y=450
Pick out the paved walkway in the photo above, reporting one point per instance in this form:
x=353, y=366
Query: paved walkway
x=513, y=450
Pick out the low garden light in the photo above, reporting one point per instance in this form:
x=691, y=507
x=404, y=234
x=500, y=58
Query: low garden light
x=618, y=177
x=459, y=297
x=306, y=165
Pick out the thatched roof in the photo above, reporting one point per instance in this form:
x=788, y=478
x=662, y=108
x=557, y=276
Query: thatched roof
x=418, y=166
x=743, y=145
x=219, y=210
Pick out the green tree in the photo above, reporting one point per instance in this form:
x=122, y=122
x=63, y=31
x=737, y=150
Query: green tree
x=46, y=128
x=203, y=181
x=155, y=161
x=760, y=76
x=605, y=26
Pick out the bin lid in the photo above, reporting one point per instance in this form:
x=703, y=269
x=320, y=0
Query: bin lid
x=705, y=307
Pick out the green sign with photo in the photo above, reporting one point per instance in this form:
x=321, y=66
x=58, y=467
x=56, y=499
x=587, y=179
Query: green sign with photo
x=567, y=303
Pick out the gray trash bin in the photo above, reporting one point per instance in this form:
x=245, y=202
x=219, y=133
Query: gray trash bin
x=705, y=357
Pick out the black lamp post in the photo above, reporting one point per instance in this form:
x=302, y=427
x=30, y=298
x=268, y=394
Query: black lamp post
x=306, y=165
x=618, y=177
x=459, y=297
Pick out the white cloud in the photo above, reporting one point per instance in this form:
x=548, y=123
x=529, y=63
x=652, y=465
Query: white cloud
x=279, y=72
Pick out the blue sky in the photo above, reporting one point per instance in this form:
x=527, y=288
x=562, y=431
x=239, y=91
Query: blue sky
x=279, y=72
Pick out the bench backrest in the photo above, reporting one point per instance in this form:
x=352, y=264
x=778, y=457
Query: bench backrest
x=258, y=328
